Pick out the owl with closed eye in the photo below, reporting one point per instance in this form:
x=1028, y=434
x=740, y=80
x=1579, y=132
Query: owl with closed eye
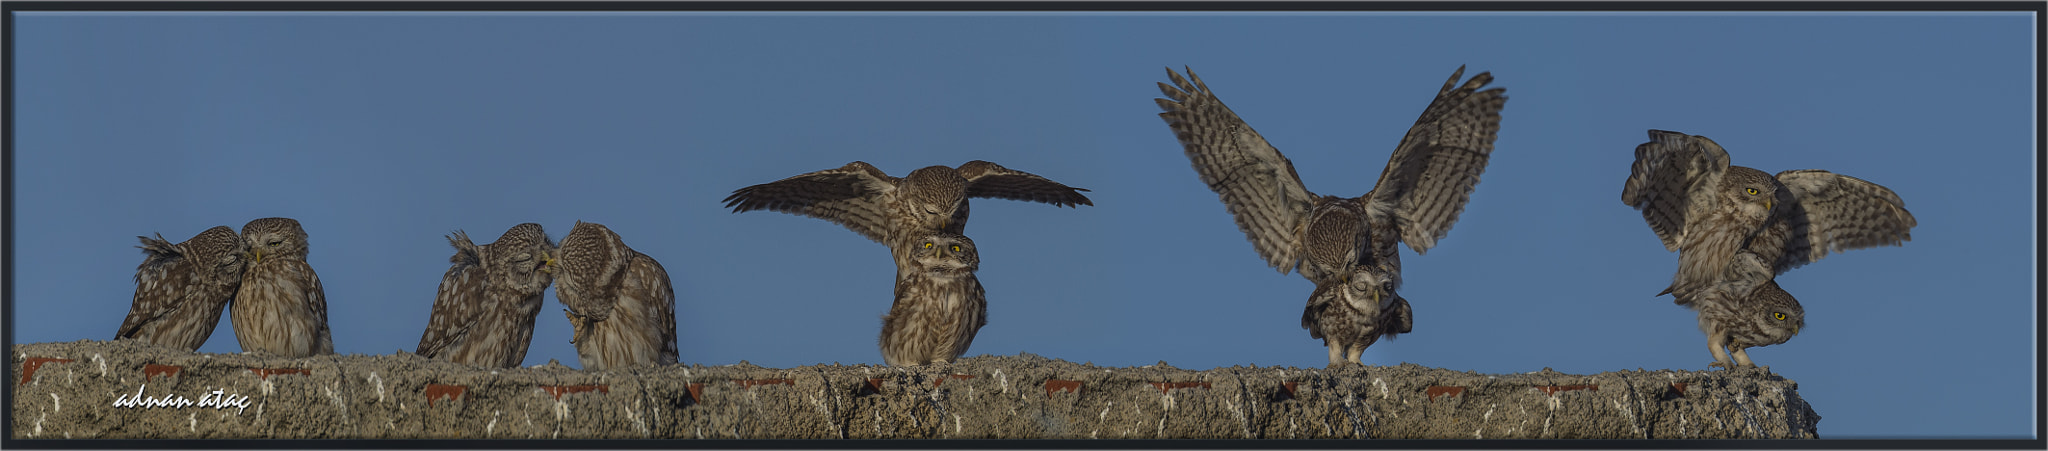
x=939, y=304
x=484, y=311
x=620, y=303
x=281, y=308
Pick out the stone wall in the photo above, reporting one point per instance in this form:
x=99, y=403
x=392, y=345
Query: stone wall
x=70, y=390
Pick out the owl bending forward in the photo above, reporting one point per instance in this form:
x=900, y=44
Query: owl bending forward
x=1351, y=316
x=1747, y=309
x=619, y=300
x=939, y=304
x=180, y=289
x=484, y=311
x=280, y=308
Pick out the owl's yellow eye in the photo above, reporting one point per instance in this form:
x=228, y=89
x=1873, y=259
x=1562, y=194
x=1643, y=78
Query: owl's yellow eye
x=927, y=245
x=1778, y=316
x=1751, y=191
x=956, y=248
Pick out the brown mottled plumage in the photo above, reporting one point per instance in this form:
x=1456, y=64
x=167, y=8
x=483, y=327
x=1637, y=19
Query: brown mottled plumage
x=1737, y=228
x=281, y=308
x=1746, y=309
x=619, y=300
x=484, y=311
x=894, y=211
x=1351, y=316
x=1425, y=185
x=939, y=304
x=180, y=289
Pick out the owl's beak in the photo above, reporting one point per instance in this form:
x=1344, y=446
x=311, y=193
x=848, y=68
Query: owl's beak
x=255, y=256
x=547, y=263
x=938, y=251
x=1767, y=205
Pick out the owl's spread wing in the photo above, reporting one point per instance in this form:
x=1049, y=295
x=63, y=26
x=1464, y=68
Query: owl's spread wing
x=1671, y=171
x=1433, y=171
x=1255, y=182
x=985, y=179
x=1830, y=212
x=161, y=283
x=854, y=196
x=457, y=303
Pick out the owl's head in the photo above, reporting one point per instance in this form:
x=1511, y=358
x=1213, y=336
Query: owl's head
x=933, y=193
x=525, y=256
x=1370, y=288
x=220, y=249
x=274, y=238
x=1782, y=316
x=590, y=262
x=1753, y=192
x=946, y=254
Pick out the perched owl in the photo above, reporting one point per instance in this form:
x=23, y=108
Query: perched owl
x=483, y=314
x=1708, y=211
x=181, y=288
x=1418, y=197
x=895, y=211
x=1746, y=309
x=620, y=301
x=939, y=304
x=1350, y=316
x=280, y=308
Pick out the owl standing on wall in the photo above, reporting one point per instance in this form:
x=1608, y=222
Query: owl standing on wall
x=1333, y=240
x=939, y=303
x=484, y=311
x=180, y=289
x=1737, y=228
x=280, y=308
x=619, y=300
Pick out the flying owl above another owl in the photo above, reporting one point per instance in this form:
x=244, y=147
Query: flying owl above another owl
x=939, y=303
x=1739, y=227
x=180, y=289
x=1418, y=196
x=281, y=308
x=483, y=314
x=619, y=300
x=894, y=211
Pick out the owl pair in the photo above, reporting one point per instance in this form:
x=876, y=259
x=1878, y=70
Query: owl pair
x=939, y=304
x=1736, y=228
x=261, y=275
x=619, y=300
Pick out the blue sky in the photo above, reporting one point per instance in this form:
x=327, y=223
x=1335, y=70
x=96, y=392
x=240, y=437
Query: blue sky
x=383, y=132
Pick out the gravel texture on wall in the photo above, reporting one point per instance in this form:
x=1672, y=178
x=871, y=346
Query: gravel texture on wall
x=88, y=389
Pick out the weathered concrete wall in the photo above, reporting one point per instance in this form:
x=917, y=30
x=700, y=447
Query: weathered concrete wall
x=1026, y=396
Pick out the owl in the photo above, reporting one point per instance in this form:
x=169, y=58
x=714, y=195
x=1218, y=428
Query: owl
x=1419, y=195
x=897, y=211
x=1350, y=316
x=939, y=304
x=1709, y=211
x=619, y=300
x=181, y=288
x=280, y=308
x=484, y=312
x=1745, y=309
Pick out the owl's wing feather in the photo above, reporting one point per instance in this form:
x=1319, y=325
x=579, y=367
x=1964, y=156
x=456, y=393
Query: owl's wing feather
x=316, y=303
x=854, y=196
x=662, y=304
x=1256, y=183
x=1829, y=213
x=985, y=179
x=161, y=283
x=1432, y=173
x=456, y=303
x=1318, y=301
x=1672, y=170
